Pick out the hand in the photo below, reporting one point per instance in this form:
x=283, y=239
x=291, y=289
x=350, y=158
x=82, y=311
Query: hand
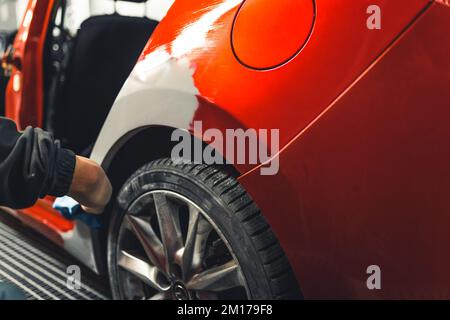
x=90, y=187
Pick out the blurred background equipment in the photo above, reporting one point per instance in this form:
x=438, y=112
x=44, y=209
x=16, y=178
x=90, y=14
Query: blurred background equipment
x=11, y=12
x=70, y=19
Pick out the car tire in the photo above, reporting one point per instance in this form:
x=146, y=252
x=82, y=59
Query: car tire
x=262, y=263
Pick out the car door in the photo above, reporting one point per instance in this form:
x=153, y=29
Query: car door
x=24, y=61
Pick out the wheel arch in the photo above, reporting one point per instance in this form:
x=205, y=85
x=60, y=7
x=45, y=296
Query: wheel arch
x=135, y=149
x=141, y=146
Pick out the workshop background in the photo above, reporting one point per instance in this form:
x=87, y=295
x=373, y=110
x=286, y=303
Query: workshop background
x=26, y=258
x=11, y=11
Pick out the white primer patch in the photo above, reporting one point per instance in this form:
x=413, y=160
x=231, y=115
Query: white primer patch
x=161, y=88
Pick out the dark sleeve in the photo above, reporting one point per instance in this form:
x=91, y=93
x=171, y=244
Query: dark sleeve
x=32, y=166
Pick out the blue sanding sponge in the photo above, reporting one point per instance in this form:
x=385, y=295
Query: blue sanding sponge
x=71, y=210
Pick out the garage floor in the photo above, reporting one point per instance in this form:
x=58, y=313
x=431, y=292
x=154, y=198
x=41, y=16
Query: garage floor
x=39, y=267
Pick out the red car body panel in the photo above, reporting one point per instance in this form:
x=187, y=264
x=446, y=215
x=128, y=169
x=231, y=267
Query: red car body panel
x=367, y=182
x=363, y=126
x=323, y=203
x=340, y=49
x=25, y=92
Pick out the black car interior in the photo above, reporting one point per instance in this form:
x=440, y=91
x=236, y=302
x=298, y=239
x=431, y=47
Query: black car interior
x=84, y=73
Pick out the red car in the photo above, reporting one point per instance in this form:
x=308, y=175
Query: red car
x=355, y=96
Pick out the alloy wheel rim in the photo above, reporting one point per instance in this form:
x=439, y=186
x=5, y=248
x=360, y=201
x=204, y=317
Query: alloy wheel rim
x=170, y=249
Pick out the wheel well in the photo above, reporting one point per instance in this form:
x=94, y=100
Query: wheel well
x=142, y=147
x=146, y=145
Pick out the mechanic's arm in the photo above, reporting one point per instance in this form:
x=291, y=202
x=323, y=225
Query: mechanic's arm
x=33, y=165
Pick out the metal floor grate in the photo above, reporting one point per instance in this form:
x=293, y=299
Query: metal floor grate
x=40, y=274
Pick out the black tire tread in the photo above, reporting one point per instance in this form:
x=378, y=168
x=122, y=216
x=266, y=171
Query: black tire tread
x=276, y=265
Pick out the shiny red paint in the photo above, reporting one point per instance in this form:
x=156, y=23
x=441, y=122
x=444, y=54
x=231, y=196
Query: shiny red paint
x=44, y=219
x=267, y=33
x=339, y=50
x=367, y=182
x=24, y=95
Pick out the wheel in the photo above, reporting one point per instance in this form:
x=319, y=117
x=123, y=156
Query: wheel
x=191, y=232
